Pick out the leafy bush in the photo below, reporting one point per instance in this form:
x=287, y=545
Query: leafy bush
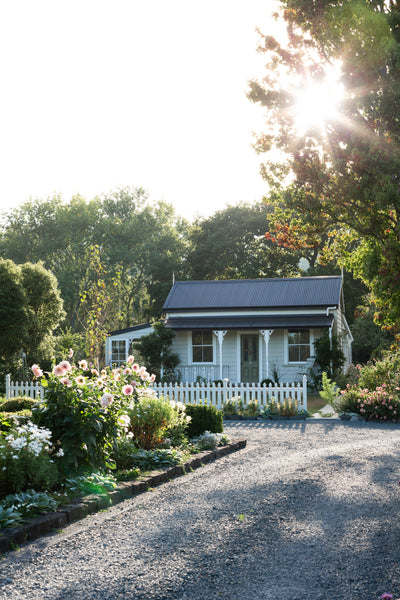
x=288, y=408
x=91, y=483
x=328, y=354
x=376, y=395
x=85, y=410
x=151, y=418
x=17, y=404
x=25, y=460
x=230, y=407
x=30, y=503
x=251, y=409
x=210, y=441
x=329, y=392
x=271, y=410
x=203, y=418
x=13, y=419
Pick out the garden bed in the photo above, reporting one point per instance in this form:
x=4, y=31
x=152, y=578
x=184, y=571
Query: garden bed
x=83, y=506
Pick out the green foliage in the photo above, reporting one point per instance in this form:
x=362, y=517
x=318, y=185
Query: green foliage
x=288, y=408
x=203, y=418
x=17, y=404
x=13, y=316
x=30, y=503
x=25, y=461
x=127, y=456
x=210, y=441
x=376, y=394
x=369, y=339
x=12, y=419
x=83, y=408
x=271, y=410
x=251, y=409
x=30, y=309
x=239, y=247
x=330, y=391
x=91, y=483
x=9, y=517
x=155, y=350
x=336, y=189
x=328, y=354
x=230, y=407
x=151, y=418
x=44, y=309
x=97, y=306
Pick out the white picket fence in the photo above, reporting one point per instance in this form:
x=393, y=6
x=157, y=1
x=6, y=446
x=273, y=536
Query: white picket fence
x=217, y=395
x=20, y=388
x=199, y=393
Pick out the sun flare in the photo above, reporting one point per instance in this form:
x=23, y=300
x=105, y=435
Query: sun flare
x=317, y=104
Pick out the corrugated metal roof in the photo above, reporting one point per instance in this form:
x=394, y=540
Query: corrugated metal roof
x=249, y=322
x=254, y=293
x=133, y=328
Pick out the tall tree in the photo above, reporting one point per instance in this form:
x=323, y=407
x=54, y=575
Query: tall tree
x=231, y=244
x=339, y=179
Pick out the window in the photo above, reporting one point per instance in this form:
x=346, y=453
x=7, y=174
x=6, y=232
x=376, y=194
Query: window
x=118, y=355
x=299, y=345
x=202, y=346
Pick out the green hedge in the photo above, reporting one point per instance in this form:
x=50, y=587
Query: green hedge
x=203, y=418
x=17, y=404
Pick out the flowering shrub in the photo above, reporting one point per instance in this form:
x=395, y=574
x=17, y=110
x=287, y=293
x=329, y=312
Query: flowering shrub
x=86, y=409
x=376, y=395
x=151, y=418
x=25, y=460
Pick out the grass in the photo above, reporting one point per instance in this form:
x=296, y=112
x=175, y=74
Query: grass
x=315, y=402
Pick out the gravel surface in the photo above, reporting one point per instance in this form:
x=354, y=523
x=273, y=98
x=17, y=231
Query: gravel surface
x=308, y=510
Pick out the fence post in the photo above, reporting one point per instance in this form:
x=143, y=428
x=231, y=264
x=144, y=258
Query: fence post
x=8, y=386
x=305, y=392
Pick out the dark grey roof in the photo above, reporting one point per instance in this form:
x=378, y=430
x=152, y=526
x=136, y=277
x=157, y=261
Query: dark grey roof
x=254, y=294
x=128, y=329
x=249, y=322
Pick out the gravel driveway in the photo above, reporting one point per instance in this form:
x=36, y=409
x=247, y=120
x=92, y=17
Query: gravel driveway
x=305, y=511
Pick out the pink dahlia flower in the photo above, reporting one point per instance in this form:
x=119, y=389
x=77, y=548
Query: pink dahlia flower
x=127, y=390
x=36, y=370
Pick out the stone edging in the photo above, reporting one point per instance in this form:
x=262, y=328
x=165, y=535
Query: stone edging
x=38, y=526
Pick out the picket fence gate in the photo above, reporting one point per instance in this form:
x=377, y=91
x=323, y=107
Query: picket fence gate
x=199, y=393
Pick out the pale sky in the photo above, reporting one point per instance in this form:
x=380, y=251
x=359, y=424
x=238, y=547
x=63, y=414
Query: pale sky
x=98, y=94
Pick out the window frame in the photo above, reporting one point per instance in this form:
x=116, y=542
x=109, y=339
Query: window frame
x=122, y=347
x=288, y=345
x=193, y=346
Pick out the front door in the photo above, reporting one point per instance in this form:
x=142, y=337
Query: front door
x=249, y=358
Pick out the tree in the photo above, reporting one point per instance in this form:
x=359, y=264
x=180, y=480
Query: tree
x=155, y=350
x=97, y=307
x=339, y=183
x=30, y=310
x=13, y=315
x=230, y=244
x=43, y=308
x=144, y=241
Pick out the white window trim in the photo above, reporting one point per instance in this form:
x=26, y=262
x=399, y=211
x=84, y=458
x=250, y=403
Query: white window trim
x=286, y=346
x=190, y=349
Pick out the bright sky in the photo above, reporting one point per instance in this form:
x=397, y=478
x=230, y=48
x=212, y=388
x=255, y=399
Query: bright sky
x=98, y=94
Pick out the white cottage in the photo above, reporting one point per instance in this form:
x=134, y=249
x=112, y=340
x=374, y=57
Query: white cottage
x=251, y=330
